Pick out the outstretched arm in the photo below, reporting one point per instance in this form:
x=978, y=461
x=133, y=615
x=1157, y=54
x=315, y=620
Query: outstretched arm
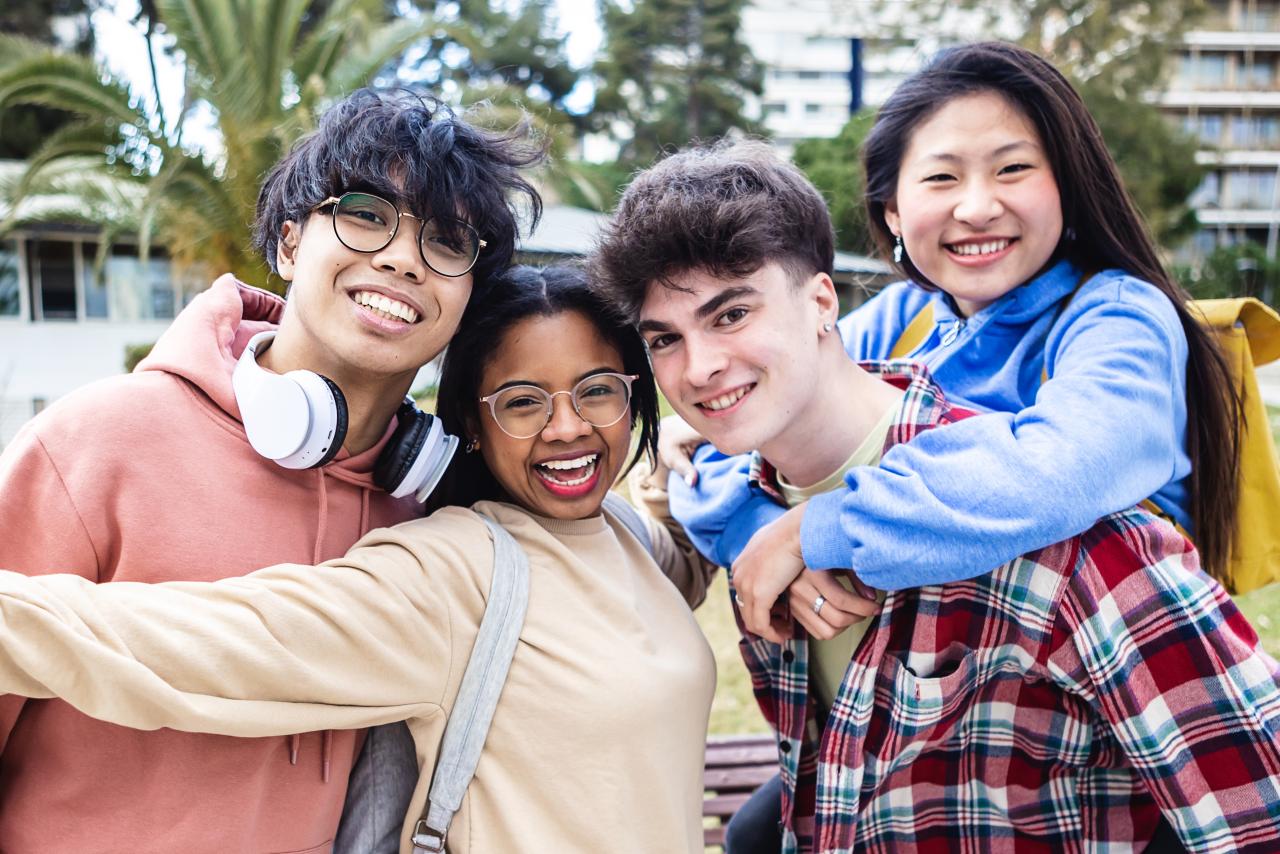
x=361, y=640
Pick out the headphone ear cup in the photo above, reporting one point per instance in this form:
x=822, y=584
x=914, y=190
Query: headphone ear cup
x=340, y=422
x=412, y=426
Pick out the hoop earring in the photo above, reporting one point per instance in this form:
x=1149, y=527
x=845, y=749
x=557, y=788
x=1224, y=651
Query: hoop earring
x=897, y=249
x=471, y=446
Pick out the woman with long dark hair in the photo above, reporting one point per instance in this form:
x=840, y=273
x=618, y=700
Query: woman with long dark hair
x=1034, y=293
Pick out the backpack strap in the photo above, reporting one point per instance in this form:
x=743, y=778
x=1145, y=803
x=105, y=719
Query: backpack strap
x=915, y=333
x=630, y=518
x=482, y=682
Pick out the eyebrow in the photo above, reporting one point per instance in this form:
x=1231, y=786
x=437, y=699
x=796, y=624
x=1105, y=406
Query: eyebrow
x=705, y=310
x=999, y=152
x=601, y=370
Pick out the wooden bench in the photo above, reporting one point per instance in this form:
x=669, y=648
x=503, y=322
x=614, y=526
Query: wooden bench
x=736, y=766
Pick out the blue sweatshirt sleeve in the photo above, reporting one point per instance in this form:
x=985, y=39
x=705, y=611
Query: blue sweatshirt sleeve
x=1104, y=433
x=722, y=511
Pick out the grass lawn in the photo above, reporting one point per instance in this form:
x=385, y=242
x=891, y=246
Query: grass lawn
x=734, y=709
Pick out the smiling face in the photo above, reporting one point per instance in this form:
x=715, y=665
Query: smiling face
x=363, y=315
x=976, y=204
x=565, y=471
x=736, y=358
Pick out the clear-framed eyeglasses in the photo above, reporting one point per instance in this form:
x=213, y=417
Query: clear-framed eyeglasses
x=523, y=411
x=368, y=223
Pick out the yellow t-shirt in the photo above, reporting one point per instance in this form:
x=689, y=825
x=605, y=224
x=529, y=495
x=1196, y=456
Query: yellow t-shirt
x=828, y=660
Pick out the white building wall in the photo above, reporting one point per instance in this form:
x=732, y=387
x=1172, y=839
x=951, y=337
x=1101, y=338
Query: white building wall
x=40, y=362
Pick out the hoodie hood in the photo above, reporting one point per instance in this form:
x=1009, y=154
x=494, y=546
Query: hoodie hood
x=205, y=341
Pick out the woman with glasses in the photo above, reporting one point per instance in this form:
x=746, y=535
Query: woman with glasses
x=597, y=740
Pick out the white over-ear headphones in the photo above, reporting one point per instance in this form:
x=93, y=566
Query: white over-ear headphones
x=299, y=420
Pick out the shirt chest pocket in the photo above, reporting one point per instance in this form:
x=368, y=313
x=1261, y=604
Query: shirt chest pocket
x=928, y=691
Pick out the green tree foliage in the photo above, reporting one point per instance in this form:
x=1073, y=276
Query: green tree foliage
x=124, y=164
x=22, y=130
x=1242, y=270
x=673, y=71
x=835, y=167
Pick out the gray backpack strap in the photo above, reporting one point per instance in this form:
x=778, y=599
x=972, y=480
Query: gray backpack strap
x=630, y=518
x=482, y=683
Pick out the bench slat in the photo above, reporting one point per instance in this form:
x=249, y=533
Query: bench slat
x=737, y=778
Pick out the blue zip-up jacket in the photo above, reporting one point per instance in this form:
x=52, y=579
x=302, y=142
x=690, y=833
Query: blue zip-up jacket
x=1046, y=460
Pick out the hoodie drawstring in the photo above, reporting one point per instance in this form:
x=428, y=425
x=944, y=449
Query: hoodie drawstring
x=322, y=524
x=364, y=511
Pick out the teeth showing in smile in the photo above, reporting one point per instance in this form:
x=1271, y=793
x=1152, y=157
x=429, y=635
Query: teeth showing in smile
x=558, y=471
x=724, y=401
x=978, y=248
x=385, y=306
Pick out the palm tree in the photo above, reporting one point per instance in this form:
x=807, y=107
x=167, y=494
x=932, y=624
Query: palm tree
x=262, y=69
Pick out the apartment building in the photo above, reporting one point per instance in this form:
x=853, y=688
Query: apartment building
x=62, y=324
x=1225, y=90
x=823, y=59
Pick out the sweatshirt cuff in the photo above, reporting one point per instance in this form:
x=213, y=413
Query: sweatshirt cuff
x=823, y=543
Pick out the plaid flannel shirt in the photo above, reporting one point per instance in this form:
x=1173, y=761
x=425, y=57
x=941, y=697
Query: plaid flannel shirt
x=1059, y=703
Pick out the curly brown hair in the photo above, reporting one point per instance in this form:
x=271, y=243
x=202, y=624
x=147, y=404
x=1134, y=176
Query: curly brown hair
x=728, y=208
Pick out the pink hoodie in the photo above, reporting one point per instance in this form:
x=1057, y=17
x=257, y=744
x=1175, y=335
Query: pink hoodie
x=149, y=477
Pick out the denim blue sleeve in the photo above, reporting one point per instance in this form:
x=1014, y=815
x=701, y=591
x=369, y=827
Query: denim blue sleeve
x=722, y=511
x=1104, y=432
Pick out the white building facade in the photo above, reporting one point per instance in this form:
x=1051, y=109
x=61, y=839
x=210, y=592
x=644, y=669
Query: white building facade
x=823, y=60
x=1225, y=91
x=63, y=325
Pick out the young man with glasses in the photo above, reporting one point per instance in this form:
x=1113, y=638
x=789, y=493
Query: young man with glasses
x=1088, y=695
x=384, y=222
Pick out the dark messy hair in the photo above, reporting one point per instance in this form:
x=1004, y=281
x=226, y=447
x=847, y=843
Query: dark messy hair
x=513, y=296
x=414, y=150
x=1102, y=229
x=727, y=208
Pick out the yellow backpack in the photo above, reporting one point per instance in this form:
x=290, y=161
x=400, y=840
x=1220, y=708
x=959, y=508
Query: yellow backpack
x=1248, y=331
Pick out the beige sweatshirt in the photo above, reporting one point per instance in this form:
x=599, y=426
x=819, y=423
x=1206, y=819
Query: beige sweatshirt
x=597, y=742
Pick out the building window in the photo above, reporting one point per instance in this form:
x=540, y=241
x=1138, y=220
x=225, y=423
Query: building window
x=138, y=291
x=10, y=295
x=773, y=108
x=1259, y=74
x=1253, y=189
x=53, y=279
x=1206, y=127
x=63, y=284
x=1204, y=71
x=1206, y=195
x=96, y=304
x=812, y=109
x=1261, y=18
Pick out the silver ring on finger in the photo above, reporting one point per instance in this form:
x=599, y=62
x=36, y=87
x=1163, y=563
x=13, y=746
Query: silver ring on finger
x=818, y=603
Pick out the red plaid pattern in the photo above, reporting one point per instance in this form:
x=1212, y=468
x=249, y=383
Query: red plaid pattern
x=1063, y=702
